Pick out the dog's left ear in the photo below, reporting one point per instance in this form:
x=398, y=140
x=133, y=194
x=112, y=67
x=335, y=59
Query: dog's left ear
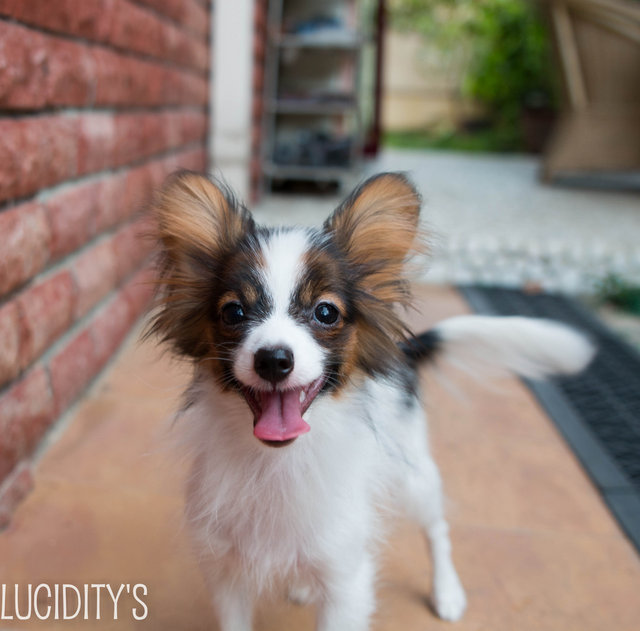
x=376, y=228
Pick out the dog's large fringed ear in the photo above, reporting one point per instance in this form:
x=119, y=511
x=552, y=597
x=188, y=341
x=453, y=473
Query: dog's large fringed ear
x=198, y=224
x=376, y=227
x=196, y=217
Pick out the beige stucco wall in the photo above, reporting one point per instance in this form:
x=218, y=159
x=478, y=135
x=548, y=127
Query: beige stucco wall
x=420, y=85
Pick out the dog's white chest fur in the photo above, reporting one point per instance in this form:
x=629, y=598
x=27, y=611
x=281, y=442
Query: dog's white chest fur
x=279, y=513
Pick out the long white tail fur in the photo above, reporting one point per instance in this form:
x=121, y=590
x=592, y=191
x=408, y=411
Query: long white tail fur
x=529, y=347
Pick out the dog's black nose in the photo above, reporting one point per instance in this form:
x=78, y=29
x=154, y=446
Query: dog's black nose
x=273, y=364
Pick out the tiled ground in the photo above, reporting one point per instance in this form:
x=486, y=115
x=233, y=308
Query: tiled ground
x=535, y=546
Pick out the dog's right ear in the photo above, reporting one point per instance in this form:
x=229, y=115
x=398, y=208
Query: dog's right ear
x=198, y=223
x=197, y=217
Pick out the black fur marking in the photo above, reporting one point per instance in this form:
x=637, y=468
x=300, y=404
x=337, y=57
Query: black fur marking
x=422, y=347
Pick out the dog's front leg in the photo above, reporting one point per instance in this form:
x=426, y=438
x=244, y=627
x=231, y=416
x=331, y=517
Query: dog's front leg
x=349, y=595
x=233, y=604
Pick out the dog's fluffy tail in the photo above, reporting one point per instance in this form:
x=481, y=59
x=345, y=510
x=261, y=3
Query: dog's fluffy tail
x=528, y=347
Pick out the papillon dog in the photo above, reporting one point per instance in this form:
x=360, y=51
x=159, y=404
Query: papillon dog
x=304, y=417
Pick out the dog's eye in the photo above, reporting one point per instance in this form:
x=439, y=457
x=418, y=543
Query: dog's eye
x=326, y=313
x=233, y=313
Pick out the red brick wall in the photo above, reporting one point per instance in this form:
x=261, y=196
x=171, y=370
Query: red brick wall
x=99, y=101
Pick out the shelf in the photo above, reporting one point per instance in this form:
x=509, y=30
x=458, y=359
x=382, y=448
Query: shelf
x=341, y=41
x=312, y=91
x=313, y=173
x=312, y=106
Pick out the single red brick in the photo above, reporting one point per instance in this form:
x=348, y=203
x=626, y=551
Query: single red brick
x=189, y=51
x=48, y=70
x=14, y=489
x=123, y=80
x=181, y=88
x=136, y=29
x=138, y=187
x=194, y=160
x=123, y=24
x=26, y=239
x=95, y=274
x=110, y=326
x=19, y=158
x=72, y=369
x=26, y=411
x=70, y=73
x=10, y=337
x=158, y=133
x=185, y=89
x=70, y=216
x=192, y=90
x=96, y=142
x=57, y=148
x=193, y=126
x=42, y=69
x=47, y=311
x=137, y=136
x=35, y=153
x=134, y=137
x=23, y=59
x=109, y=202
x=191, y=159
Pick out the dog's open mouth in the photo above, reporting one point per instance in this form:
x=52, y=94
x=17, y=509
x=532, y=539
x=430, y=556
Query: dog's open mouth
x=277, y=414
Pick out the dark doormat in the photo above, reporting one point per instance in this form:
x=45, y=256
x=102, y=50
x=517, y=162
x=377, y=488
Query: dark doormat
x=598, y=412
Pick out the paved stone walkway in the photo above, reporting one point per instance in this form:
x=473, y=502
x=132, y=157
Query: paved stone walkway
x=492, y=221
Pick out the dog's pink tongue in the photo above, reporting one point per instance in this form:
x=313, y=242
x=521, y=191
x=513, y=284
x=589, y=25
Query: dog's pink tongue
x=281, y=417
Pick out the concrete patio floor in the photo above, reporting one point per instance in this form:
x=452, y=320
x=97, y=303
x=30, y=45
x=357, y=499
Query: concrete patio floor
x=492, y=220
x=534, y=544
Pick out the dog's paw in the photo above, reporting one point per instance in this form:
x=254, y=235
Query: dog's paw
x=449, y=599
x=300, y=595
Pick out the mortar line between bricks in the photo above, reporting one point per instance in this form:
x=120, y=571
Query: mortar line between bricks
x=74, y=110
x=76, y=326
x=42, y=195
x=124, y=52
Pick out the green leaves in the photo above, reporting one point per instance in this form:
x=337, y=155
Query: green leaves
x=509, y=57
